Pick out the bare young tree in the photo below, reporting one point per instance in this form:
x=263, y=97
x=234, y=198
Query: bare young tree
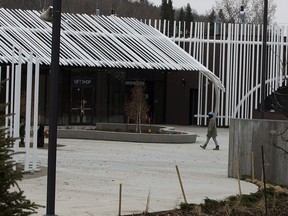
x=253, y=9
x=137, y=108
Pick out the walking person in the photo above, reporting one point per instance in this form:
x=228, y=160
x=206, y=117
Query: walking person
x=211, y=132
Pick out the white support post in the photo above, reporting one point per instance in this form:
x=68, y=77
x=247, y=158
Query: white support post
x=28, y=115
x=12, y=95
x=7, y=119
x=36, y=102
x=164, y=27
x=17, y=104
x=0, y=76
x=228, y=73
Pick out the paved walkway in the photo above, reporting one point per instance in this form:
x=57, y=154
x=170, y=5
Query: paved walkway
x=89, y=174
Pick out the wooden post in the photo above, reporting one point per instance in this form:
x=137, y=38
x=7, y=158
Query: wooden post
x=147, y=203
x=120, y=199
x=181, y=185
x=252, y=166
x=264, y=179
x=238, y=176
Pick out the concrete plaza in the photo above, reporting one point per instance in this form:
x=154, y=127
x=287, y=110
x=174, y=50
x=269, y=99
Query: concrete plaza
x=89, y=174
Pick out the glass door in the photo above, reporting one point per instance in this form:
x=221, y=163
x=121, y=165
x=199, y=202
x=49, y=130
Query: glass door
x=81, y=105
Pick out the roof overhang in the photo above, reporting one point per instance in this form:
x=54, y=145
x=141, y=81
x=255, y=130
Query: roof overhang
x=94, y=41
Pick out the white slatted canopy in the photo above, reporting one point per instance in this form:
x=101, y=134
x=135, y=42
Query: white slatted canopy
x=94, y=41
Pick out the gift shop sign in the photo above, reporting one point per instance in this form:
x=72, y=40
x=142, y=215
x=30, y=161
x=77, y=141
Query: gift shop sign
x=82, y=81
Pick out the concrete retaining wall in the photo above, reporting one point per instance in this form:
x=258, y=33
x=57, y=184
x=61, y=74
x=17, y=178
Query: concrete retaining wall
x=165, y=135
x=247, y=136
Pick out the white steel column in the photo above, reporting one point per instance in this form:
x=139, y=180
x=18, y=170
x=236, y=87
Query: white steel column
x=17, y=104
x=12, y=94
x=35, y=121
x=28, y=115
x=7, y=119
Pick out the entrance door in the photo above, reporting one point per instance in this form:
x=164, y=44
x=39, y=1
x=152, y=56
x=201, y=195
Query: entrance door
x=81, y=105
x=193, y=106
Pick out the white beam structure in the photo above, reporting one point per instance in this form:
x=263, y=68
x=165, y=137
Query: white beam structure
x=234, y=55
x=98, y=41
x=14, y=97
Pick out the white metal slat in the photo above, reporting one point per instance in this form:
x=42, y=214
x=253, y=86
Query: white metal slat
x=270, y=71
x=125, y=64
x=113, y=39
x=7, y=18
x=252, y=72
x=229, y=58
x=38, y=22
x=204, y=79
x=154, y=41
x=75, y=21
x=198, y=64
x=7, y=118
x=19, y=35
x=118, y=56
x=280, y=76
x=11, y=39
x=27, y=21
x=257, y=67
x=243, y=65
x=39, y=48
x=6, y=49
x=75, y=51
x=71, y=44
x=139, y=39
x=161, y=42
x=247, y=70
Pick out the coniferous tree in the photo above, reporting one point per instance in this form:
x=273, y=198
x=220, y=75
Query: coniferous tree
x=188, y=17
x=221, y=16
x=168, y=14
x=171, y=15
x=164, y=10
x=212, y=16
x=181, y=15
x=181, y=18
x=211, y=20
x=12, y=199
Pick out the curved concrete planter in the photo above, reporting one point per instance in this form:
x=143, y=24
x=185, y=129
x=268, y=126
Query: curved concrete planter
x=106, y=131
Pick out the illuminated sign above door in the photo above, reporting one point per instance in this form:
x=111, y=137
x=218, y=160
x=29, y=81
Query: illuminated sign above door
x=82, y=81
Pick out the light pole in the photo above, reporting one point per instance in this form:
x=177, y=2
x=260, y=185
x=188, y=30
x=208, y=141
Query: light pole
x=53, y=108
x=264, y=58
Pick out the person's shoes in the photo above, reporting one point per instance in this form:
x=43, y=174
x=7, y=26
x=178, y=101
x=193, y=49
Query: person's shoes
x=216, y=148
x=203, y=147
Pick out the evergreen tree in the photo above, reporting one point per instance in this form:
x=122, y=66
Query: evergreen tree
x=171, y=15
x=164, y=10
x=212, y=16
x=181, y=15
x=12, y=199
x=211, y=20
x=221, y=16
x=181, y=18
x=188, y=17
x=168, y=13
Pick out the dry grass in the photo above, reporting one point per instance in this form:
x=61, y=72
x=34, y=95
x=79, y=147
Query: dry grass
x=246, y=205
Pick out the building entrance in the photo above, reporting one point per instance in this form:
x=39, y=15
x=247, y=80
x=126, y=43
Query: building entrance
x=81, y=101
